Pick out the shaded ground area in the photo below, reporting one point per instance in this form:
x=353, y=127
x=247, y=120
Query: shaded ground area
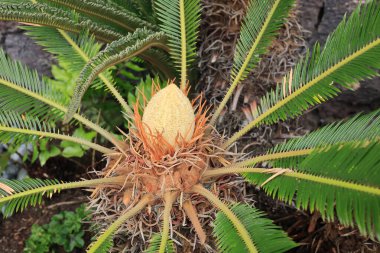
x=15, y=230
x=319, y=18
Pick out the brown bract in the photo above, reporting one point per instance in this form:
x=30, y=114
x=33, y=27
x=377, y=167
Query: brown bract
x=153, y=164
x=162, y=160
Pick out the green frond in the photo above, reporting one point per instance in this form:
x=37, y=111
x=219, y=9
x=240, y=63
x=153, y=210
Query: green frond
x=12, y=124
x=14, y=77
x=46, y=15
x=16, y=195
x=351, y=54
x=259, y=28
x=73, y=52
x=14, y=204
x=104, y=11
x=155, y=242
x=68, y=55
x=21, y=128
x=180, y=21
x=18, y=82
x=116, y=52
x=359, y=128
x=16, y=72
x=267, y=236
x=346, y=178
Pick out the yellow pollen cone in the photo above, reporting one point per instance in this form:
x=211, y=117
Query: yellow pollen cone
x=170, y=113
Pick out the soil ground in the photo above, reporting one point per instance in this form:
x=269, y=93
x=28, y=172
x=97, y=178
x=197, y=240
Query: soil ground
x=319, y=18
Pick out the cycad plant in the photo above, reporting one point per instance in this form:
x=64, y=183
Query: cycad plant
x=168, y=167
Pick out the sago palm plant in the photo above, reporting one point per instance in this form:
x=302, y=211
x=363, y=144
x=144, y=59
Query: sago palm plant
x=168, y=168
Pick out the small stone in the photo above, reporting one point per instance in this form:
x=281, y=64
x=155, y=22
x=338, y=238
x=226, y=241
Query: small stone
x=5, y=175
x=16, y=158
x=30, y=148
x=22, y=174
x=22, y=150
x=12, y=170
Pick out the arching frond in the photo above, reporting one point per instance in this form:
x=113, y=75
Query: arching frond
x=359, y=128
x=351, y=54
x=16, y=72
x=155, y=242
x=49, y=16
x=245, y=236
x=14, y=203
x=116, y=52
x=74, y=51
x=267, y=236
x=16, y=195
x=102, y=10
x=14, y=77
x=20, y=128
x=72, y=56
x=346, y=178
x=180, y=22
x=260, y=25
x=19, y=82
